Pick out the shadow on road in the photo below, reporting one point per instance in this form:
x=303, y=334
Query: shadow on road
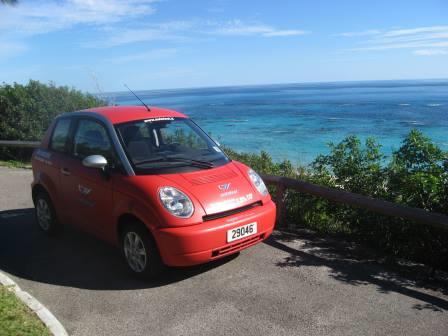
x=349, y=264
x=72, y=258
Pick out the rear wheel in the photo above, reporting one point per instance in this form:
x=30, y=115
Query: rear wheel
x=140, y=252
x=45, y=214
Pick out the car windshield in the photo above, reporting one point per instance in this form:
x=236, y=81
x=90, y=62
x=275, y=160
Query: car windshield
x=170, y=145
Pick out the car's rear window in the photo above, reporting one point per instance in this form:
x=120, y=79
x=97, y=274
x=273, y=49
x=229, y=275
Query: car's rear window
x=60, y=135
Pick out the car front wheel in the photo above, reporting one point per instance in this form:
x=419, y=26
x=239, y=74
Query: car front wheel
x=140, y=252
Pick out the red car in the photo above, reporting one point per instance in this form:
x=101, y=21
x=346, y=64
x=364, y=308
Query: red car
x=151, y=182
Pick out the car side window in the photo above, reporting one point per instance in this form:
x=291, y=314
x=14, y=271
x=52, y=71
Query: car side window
x=91, y=139
x=60, y=135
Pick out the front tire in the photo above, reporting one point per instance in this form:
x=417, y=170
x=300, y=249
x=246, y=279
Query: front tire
x=45, y=214
x=140, y=252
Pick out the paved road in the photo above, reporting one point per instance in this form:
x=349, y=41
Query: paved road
x=286, y=286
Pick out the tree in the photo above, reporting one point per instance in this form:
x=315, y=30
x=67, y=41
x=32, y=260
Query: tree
x=418, y=174
x=27, y=110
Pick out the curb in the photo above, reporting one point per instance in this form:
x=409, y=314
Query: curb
x=56, y=328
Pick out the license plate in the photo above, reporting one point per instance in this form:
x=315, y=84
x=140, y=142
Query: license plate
x=241, y=232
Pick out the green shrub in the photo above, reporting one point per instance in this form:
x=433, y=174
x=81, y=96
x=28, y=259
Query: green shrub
x=416, y=175
x=263, y=163
x=27, y=110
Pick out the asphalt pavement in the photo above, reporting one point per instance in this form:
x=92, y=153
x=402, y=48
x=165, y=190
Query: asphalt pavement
x=289, y=285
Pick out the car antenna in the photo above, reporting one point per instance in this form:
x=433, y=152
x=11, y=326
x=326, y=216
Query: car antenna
x=147, y=107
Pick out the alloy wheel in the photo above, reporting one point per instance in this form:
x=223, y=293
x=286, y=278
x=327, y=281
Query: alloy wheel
x=43, y=214
x=135, y=252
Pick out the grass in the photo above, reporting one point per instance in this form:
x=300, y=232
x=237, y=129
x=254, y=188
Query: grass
x=15, y=164
x=16, y=318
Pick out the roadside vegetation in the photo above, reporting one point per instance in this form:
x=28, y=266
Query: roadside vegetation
x=15, y=164
x=27, y=110
x=16, y=318
x=416, y=175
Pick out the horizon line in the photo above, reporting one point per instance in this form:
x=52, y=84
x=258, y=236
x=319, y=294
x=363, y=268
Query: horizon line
x=276, y=84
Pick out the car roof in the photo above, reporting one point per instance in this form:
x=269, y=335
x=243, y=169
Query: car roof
x=122, y=114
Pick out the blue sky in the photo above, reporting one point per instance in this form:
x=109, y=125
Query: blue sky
x=97, y=45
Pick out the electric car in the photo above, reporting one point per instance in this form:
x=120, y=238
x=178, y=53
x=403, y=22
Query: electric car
x=150, y=181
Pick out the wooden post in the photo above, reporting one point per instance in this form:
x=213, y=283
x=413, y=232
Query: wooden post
x=280, y=202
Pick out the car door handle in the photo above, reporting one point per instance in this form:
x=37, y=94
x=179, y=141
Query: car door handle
x=65, y=171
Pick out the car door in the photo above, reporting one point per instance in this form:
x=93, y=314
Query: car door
x=88, y=191
x=52, y=159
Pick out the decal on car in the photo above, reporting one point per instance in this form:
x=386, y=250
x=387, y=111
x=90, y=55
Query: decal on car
x=84, y=190
x=236, y=201
x=159, y=119
x=224, y=187
x=229, y=193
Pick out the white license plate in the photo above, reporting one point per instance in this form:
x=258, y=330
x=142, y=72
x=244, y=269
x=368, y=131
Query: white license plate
x=241, y=232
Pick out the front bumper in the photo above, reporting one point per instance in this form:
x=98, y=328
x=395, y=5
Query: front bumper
x=197, y=244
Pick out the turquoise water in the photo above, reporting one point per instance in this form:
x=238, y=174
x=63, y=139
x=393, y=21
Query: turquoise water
x=296, y=121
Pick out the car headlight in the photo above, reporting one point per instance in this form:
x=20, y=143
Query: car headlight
x=258, y=182
x=176, y=202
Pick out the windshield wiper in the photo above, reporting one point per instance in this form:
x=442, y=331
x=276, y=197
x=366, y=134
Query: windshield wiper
x=197, y=163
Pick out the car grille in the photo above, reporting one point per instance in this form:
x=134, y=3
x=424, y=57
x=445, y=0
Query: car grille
x=212, y=178
x=229, y=249
x=231, y=212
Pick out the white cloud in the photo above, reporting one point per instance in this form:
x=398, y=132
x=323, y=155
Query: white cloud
x=413, y=31
x=421, y=38
x=167, y=31
x=405, y=45
x=237, y=27
x=361, y=33
x=118, y=22
x=126, y=36
x=10, y=49
x=285, y=33
x=430, y=52
x=37, y=17
x=187, y=30
x=150, y=55
x=30, y=18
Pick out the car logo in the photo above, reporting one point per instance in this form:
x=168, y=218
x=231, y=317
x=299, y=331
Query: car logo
x=224, y=187
x=84, y=190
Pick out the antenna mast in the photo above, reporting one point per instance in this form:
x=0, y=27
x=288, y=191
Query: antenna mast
x=147, y=107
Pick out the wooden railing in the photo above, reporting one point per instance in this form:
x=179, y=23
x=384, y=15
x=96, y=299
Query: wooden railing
x=347, y=198
x=335, y=195
x=19, y=144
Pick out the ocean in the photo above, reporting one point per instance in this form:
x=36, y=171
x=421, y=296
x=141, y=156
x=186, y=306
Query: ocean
x=297, y=121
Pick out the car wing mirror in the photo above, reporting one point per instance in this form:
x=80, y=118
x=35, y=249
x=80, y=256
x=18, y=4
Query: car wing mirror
x=95, y=161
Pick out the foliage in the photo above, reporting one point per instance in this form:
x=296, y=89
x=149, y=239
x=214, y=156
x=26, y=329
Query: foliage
x=15, y=164
x=353, y=167
x=264, y=164
x=27, y=110
x=16, y=318
x=416, y=175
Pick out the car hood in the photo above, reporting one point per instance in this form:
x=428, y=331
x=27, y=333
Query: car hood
x=219, y=189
